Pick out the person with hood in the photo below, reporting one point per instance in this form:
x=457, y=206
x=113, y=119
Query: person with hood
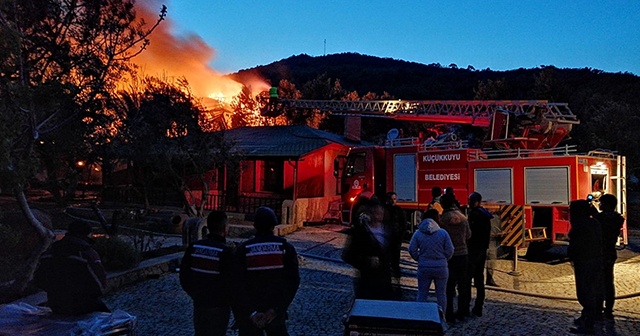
x=610, y=222
x=457, y=226
x=205, y=274
x=431, y=247
x=480, y=224
x=72, y=274
x=265, y=279
x=585, y=253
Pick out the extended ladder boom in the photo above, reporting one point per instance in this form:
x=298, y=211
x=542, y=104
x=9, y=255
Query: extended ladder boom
x=530, y=124
x=472, y=112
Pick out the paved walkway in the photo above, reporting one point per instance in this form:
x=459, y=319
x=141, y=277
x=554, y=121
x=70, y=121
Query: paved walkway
x=325, y=293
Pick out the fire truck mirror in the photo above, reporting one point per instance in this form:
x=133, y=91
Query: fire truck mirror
x=336, y=167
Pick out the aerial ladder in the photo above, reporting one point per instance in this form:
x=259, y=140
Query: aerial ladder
x=525, y=124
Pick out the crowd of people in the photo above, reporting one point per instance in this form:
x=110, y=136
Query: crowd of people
x=449, y=246
x=453, y=246
x=258, y=279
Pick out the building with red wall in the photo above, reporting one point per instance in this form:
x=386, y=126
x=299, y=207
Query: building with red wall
x=290, y=168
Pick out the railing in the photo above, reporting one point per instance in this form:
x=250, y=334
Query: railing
x=240, y=204
x=243, y=204
x=518, y=153
x=131, y=195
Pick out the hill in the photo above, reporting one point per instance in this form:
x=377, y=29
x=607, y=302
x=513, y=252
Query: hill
x=410, y=80
x=608, y=104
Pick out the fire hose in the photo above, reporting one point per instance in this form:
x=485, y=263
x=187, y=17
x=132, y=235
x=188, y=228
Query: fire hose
x=494, y=288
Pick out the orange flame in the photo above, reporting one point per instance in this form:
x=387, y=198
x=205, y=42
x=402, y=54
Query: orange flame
x=188, y=56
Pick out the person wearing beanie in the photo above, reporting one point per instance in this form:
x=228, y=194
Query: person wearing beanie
x=431, y=247
x=72, y=274
x=205, y=274
x=265, y=279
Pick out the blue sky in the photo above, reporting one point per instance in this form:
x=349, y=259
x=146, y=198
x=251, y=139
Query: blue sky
x=500, y=34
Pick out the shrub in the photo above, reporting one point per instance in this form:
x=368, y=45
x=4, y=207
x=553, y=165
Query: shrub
x=9, y=237
x=116, y=254
x=12, y=257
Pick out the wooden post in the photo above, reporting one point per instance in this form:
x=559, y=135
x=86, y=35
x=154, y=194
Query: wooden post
x=515, y=271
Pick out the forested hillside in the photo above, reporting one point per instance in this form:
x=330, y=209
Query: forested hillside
x=607, y=104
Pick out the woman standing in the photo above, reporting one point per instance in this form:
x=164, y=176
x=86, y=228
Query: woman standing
x=431, y=247
x=367, y=250
x=457, y=226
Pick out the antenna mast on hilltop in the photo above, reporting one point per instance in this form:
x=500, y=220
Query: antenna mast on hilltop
x=325, y=48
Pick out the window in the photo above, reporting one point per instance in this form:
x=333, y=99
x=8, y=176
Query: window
x=404, y=170
x=271, y=176
x=356, y=164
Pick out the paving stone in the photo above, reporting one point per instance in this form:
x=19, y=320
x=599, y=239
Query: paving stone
x=325, y=294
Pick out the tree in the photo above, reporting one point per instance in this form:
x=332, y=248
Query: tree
x=288, y=90
x=611, y=125
x=246, y=110
x=491, y=90
x=547, y=85
x=59, y=62
x=162, y=135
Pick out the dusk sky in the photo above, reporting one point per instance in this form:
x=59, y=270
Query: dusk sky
x=500, y=35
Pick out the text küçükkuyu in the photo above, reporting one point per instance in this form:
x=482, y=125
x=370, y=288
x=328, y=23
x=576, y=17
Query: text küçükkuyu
x=440, y=157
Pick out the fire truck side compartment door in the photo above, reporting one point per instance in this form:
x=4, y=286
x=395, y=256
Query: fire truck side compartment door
x=404, y=177
x=495, y=185
x=546, y=185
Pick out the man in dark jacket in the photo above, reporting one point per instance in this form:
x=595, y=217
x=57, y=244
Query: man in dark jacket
x=205, y=275
x=585, y=252
x=480, y=224
x=610, y=222
x=72, y=274
x=265, y=279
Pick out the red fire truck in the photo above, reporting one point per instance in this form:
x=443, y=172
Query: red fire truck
x=542, y=181
x=518, y=166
